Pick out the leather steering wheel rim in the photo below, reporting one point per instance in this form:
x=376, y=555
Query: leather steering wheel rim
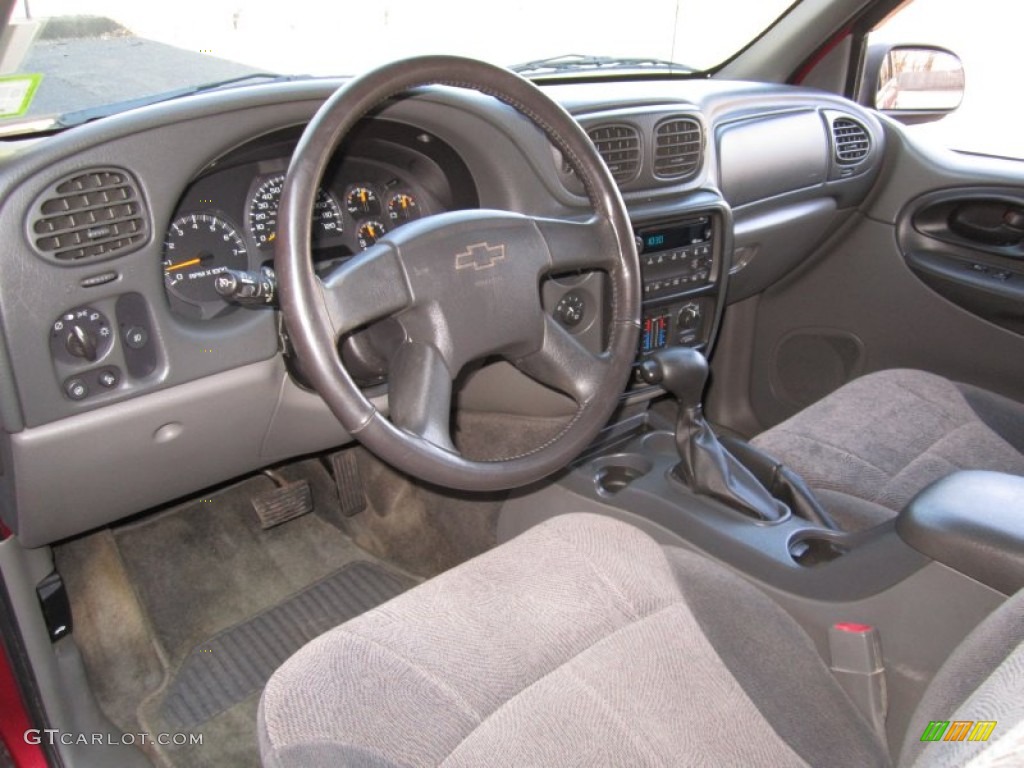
x=516, y=250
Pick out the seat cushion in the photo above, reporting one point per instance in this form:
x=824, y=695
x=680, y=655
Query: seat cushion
x=869, y=447
x=581, y=642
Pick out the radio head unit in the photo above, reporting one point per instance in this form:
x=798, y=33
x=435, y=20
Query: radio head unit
x=676, y=257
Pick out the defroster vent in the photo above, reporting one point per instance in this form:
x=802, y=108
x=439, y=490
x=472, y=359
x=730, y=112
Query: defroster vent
x=92, y=215
x=619, y=146
x=678, y=145
x=850, y=139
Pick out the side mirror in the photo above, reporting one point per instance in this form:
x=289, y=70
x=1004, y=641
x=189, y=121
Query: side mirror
x=912, y=83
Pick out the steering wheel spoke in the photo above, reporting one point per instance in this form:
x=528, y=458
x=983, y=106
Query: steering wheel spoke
x=368, y=287
x=420, y=393
x=564, y=364
x=579, y=245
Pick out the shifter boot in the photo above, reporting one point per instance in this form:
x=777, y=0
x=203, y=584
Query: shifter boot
x=707, y=468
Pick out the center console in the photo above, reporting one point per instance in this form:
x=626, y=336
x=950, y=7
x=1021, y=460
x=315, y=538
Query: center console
x=684, y=263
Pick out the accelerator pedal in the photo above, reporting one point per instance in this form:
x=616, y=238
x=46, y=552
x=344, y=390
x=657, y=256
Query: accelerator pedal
x=283, y=503
x=344, y=468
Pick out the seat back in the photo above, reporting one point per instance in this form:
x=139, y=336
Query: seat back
x=981, y=683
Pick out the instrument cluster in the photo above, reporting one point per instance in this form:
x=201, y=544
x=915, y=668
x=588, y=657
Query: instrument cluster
x=228, y=220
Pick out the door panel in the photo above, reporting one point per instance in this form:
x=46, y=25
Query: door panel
x=968, y=246
x=898, y=286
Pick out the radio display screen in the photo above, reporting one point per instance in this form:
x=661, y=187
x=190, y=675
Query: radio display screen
x=672, y=236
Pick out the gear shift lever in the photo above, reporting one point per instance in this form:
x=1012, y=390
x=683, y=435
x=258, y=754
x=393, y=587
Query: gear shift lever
x=705, y=466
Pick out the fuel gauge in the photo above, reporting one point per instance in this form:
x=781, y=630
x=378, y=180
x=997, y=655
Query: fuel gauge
x=369, y=233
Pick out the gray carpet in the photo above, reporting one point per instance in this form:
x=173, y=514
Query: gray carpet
x=237, y=662
x=183, y=614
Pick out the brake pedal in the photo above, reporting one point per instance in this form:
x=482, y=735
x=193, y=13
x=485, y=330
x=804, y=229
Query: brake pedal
x=345, y=471
x=283, y=503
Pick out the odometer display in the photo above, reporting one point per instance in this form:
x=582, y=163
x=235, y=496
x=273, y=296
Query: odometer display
x=263, y=213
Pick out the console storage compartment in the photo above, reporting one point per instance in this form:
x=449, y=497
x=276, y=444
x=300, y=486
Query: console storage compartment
x=973, y=522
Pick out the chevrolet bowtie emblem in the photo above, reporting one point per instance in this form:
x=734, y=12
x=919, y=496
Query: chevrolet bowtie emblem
x=480, y=256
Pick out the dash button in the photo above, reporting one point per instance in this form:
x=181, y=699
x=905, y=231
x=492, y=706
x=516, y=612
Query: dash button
x=76, y=389
x=136, y=337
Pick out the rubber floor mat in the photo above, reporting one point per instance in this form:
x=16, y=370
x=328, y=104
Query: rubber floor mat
x=237, y=662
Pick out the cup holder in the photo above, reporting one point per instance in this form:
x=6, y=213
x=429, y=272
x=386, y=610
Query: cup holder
x=813, y=550
x=660, y=442
x=615, y=473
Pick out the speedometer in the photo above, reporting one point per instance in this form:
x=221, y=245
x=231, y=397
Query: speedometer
x=263, y=213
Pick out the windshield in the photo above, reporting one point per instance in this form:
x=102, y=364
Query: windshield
x=73, y=58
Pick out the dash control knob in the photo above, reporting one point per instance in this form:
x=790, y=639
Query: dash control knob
x=81, y=342
x=80, y=334
x=689, y=317
x=570, y=309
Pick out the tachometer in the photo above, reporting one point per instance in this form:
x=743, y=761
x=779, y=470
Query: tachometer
x=198, y=247
x=263, y=213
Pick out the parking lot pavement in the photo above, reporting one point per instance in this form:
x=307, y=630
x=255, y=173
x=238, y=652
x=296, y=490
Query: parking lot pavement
x=116, y=69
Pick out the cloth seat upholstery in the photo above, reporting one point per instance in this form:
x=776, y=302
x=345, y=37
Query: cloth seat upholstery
x=581, y=642
x=869, y=447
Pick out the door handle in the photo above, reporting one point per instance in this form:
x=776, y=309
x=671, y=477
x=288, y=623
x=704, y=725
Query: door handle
x=990, y=222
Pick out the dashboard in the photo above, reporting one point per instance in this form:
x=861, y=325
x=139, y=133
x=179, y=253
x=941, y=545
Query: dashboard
x=129, y=381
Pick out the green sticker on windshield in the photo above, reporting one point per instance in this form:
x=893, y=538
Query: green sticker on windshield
x=16, y=92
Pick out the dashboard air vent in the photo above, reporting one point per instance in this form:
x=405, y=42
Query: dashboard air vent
x=619, y=146
x=851, y=140
x=91, y=215
x=678, y=144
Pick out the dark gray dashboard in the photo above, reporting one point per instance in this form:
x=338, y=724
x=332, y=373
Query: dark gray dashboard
x=201, y=392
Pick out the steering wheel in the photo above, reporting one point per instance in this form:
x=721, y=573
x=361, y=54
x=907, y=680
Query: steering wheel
x=463, y=286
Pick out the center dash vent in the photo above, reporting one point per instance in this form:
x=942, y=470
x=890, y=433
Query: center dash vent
x=678, y=144
x=851, y=140
x=91, y=215
x=619, y=147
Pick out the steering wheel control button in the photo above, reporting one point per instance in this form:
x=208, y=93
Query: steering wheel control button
x=570, y=309
x=80, y=335
x=109, y=378
x=136, y=337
